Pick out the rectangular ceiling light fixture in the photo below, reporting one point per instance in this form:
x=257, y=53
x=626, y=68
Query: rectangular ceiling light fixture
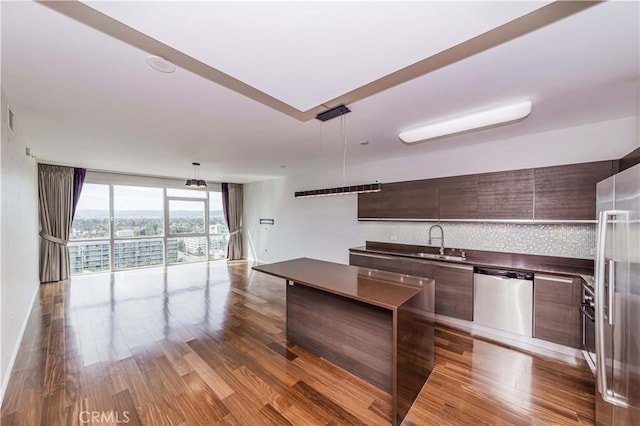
x=478, y=120
x=333, y=113
x=354, y=189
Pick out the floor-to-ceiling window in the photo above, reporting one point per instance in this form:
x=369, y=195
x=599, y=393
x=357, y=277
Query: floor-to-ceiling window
x=218, y=230
x=187, y=224
x=89, y=248
x=138, y=227
x=119, y=227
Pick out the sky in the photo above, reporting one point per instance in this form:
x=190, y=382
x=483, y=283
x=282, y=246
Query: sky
x=96, y=197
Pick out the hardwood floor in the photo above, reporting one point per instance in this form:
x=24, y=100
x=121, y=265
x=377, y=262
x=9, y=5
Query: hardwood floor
x=203, y=344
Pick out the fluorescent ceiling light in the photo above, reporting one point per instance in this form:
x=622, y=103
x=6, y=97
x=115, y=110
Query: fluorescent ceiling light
x=473, y=121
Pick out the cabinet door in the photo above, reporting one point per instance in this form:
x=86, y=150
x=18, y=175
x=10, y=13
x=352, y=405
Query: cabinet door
x=556, y=309
x=421, y=199
x=454, y=291
x=364, y=261
x=458, y=197
x=393, y=200
x=369, y=205
x=375, y=261
x=569, y=192
x=506, y=195
x=417, y=267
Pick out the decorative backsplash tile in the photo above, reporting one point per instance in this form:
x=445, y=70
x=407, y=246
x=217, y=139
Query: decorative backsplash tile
x=564, y=240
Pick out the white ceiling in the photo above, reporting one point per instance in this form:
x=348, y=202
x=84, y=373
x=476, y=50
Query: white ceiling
x=308, y=53
x=84, y=98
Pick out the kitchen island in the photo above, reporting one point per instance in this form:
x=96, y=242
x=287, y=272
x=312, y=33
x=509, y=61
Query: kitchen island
x=366, y=321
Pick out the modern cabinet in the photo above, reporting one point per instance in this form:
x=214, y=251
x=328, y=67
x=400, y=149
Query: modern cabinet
x=376, y=261
x=369, y=205
x=401, y=265
x=506, y=195
x=569, y=192
x=559, y=194
x=458, y=197
x=401, y=200
x=421, y=199
x=454, y=290
x=556, y=309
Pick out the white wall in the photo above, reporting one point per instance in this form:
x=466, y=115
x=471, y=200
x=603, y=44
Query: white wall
x=19, y=249
x=326, y=227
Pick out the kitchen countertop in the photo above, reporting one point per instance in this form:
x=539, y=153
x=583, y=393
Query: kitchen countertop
x=385, y=289
x=530, y=263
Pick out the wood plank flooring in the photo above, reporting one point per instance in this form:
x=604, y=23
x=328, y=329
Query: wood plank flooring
x=204, y=344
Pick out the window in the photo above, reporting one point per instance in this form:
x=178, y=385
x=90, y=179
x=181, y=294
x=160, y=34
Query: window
x=186, y=193
x=191, y=249
x=137, y=212
x=218, y=230
x=89, y=248
x=92, y=214
x=138, y=253
x=119, y=227
x=186, y=217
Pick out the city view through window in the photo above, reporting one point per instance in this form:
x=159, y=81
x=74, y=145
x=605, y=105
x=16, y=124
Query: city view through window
x=122, y=227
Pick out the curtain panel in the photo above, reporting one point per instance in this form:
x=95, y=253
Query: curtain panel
x=58, y=190
x=232, y=206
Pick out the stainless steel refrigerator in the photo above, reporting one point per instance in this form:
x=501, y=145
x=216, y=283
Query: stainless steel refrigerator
x=617, y=299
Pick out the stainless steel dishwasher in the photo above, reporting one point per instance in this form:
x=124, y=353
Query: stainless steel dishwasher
x=503, y=300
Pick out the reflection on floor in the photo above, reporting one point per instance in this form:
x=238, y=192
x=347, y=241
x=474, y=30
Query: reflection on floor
x=203, y=344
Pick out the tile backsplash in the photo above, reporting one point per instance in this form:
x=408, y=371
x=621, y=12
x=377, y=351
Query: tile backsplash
x=563, y=240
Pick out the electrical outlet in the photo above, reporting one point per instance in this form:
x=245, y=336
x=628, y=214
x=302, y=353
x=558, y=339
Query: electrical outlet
x=521, y=246
x=393, y=238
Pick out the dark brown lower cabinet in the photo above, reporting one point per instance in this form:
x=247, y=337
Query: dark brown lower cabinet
x=556, y=309
x=375, y=261
x=400, y=265
x=454, y=290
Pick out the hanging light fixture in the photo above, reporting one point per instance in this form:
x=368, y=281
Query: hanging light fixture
x=196, y=182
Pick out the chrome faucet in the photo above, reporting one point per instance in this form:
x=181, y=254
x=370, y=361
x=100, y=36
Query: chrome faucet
x=441, y=238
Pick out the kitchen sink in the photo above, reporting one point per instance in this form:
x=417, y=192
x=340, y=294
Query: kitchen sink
x=440, y=257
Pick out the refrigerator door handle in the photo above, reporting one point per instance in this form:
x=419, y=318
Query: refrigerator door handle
x=601, y=368
x=611, y=290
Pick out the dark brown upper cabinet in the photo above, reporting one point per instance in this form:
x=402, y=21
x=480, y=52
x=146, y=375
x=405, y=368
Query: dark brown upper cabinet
x=560, y=193
x=506, y=195
x=401, y=200
x=421, y=199
x=458, y=197
x=393, y=200
x=369, y=205
x=569, y=192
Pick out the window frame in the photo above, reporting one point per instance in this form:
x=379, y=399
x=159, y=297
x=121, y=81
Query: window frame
x=166, y=235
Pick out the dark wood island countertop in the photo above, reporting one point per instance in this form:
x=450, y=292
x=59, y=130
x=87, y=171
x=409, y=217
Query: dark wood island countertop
x=384, y=289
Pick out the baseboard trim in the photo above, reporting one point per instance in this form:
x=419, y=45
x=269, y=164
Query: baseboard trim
x=522, y=343
x=16, y=349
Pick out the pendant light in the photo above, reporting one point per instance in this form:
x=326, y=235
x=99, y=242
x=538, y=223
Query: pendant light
x=196, y=182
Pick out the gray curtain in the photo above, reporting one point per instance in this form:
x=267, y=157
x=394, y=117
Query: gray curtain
x=55, y=188
x=232, y=205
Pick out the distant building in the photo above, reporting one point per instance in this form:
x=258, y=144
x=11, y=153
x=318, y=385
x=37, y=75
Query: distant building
x=125, y=233
x=94, y=256
x=195, y=246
